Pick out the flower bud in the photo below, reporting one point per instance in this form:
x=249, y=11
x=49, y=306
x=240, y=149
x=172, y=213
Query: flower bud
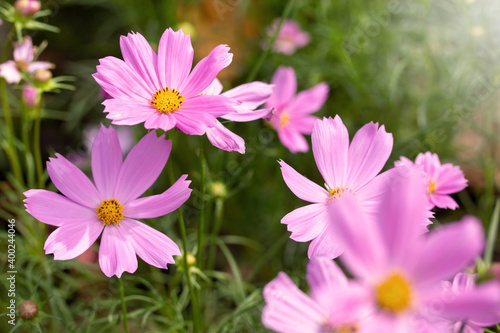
x=31, y=98
x=218, y=190
x=42, y=75
x=27, y=8
x=28, y=310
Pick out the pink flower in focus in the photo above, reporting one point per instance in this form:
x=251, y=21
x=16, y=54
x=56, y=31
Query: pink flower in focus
x=111, y=206
x=249, y=96
x=346, y=169
x=289, y=39
x=160, y=90
x=442, y=179
x=402, y=269
x=11, y=70
x=292, y=117
x=332, y=306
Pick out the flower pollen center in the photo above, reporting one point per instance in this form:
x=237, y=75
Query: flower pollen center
x=394, y=294
x=167, y=100
x=432, y=186
x=336, y=193
x=110, y=211
x=22, y=65
x=328, y=328
x=284, y=119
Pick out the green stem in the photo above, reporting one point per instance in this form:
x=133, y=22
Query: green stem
x=194, y=302
x=36, y=145
x=218, y=214
x=201, y=226
x=124, y=306
x=492, y=234
x=263, y=56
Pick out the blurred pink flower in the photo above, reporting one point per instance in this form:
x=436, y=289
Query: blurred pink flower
x=401, y=269
x=249, y=97
x=486, y=295
x=292, y=117
x=289, y=39
x=31, y=97
x=11, y=70
x=159, y=90
x=442, y=179
x=289, y=310
x=111, y=206
x=346, y=169
x=27, y=8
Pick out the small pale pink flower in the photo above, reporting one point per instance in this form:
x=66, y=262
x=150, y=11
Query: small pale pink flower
x=110, y=205
x=292, y=116
x=443, y=179
x=290, y=37
x=160, y=90
x=402, y=269
x=12, y=70
x=248, y=97
x=27, y=8
x=31, y=97
x=331, y=307
x=346, y=169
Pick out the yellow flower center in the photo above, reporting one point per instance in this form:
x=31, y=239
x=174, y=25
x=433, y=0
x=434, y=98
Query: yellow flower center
x=432, y=186
x=284, y=119
x=22, y=65
x=336, y=193
x=110, y=211
x=328, y=328
x=394, y=294
x=167, y=100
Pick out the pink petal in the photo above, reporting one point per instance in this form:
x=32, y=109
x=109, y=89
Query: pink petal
x=288, y=309
x=127, y=112
x=8, y=70
x=306, y=223
x=326, y=244
x=72, y=182
x=310, y=100
x=369, y=150
x=175, y=58
x=293, y=140
x=224, y=139
x=150, y=245
x=24, y=50
x=116, y=252
x=302, y=187
x=54, y=209
x=285, y=86
x=161, y=204
x=330, y=144
x=141, y=167
x=301, y=123
x=244, y=115
x=37, y=65
x=430, y=162
x=403, y=161
x=443, y=254
x=480, y=305
x=106, y=160
x=158, y=120
x=443, y=201
x=215, y=88
x=141, y=58
x=450, y=180
x=120, y=81
x=72, y=239
x=358, y=235
x=205, y=71
x=251, y=94
x=323, y=273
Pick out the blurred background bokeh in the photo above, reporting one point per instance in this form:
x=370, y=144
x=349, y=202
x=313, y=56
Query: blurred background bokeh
x=428, y=70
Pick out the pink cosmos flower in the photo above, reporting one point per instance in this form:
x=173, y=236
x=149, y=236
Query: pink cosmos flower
x=442, y=179
x=346, y=169
x=464, y=286
x=292, y=117
x=249, y=96
x=111, y=206
x=160, y=90
x=332, y=306
x=401, y=269
x=12, y=70
x=290, y=38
